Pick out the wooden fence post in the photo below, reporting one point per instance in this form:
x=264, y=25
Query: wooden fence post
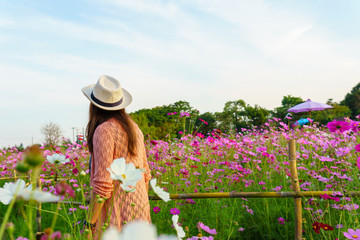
x=296, y=188
x=38, y=214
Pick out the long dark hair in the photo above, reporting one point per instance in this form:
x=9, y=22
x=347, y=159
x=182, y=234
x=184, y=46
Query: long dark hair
x=98, y=116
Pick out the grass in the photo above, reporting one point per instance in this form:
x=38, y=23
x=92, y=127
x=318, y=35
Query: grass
x=255, y=161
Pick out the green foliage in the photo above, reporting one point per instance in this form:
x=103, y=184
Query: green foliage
x=156, y=123
x=204, y=128
x=232, y=116
x=256, y=115
x=286, y=103
x=352, y=101
x=328, y=115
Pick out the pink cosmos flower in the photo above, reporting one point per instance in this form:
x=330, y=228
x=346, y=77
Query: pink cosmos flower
x=75, y=171
x=351, y=207
x=281, y=220
x=175, y=211
x=342, y=151
x=355, y=126
x=338, y=126
x=183, y=114
x=352, y=234
x=206, y=228
x=339, y=226
x=357, y=148
x=202, y=120
x=325, y=196
x=156, y=210
x=56, y=235
x=63, y=188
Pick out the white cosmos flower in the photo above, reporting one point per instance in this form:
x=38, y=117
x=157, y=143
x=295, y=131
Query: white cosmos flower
x=39, y=196
x=159, y=191
x=136, y=230
x=126, y=173
x=57, y=159
x=179, y=230
x=111, y=234
x=11, y=190
x=18, y=189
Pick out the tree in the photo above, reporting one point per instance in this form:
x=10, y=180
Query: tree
x=352, y=101
x=328, y=115
x=207, y=127
x=286, y=103
x=231, y=117
x=256, y=115
x=52, y=133
x=182, y=106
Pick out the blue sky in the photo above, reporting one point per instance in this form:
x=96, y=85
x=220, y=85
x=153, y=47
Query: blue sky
x=206, y=52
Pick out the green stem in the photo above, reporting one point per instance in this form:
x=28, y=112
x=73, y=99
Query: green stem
x=29, y=222
x=56, y=214
x=7, y=215
x=42, y=210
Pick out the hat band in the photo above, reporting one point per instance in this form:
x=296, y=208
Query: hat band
x=104, y=104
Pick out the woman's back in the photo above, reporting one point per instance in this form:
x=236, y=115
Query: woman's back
x=110, y=141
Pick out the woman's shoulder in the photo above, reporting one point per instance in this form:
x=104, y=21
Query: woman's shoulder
x=107, y=126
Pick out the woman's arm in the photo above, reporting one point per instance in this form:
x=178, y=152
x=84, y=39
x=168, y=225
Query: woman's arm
x=103, y=156
x=95, y=208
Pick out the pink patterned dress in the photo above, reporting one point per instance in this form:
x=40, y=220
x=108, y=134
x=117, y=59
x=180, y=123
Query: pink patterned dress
x=110, y=142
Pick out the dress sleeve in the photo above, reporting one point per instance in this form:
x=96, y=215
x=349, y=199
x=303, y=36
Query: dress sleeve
x=103, y=142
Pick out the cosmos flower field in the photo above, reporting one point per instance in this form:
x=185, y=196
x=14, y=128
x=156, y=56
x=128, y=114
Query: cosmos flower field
x=328, y=159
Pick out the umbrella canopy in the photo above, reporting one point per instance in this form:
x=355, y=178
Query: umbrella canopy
x=309, y=106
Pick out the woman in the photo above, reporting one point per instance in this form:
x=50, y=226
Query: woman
x=111, y=134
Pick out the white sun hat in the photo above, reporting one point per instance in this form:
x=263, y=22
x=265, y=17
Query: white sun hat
x=107, y=94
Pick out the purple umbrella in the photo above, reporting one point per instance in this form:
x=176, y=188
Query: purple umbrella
x=309, y=106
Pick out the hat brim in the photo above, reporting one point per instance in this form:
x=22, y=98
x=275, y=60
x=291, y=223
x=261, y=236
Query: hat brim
x=127, y=98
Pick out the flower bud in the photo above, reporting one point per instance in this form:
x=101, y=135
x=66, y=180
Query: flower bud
x=10, y=227
x=67, y=236
x=100, y=200
x=132, y=204
x=22, y=167
x=34, y=157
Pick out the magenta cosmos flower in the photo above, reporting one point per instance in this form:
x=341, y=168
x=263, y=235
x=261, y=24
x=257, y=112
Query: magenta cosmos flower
x=340, y=126
x=156, y=209
x=352, y=234
x=175, y=211
x=357, y=148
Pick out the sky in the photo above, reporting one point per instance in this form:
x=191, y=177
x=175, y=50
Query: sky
x=206, y=52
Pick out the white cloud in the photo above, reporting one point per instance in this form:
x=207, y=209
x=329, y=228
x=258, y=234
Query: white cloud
x=168, y=10
x=205, y=52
